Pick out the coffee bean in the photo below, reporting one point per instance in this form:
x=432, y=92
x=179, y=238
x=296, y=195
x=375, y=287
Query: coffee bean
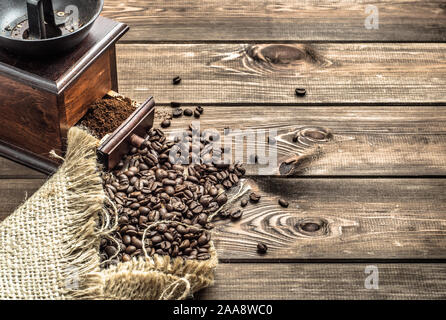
x=199, y=109
x=262, y=248
x=110, y=251
x=197, y=114
x=126, y=257
x=283, y=203
x=221, y=199
x=188, y=112
x=178, y=112
x=244, y=202
x=165, y=123
x=254, y=197
x=176, y=80
x=130, y=249
x=126, y=239
x=300, y=92
x=235, y=213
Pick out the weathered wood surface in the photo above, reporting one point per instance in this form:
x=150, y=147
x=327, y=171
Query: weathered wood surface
x=366, y=141
x=11, y=169
x=270, y=20
x=341, y=73
x=14, y=192
x=325, y=281
x=357, y=219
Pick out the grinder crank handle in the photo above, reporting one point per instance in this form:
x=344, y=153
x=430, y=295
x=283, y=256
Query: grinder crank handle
x=39, y=12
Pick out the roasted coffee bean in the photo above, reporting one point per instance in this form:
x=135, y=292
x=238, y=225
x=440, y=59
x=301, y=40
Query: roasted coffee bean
x=165, y=123
x=244, y=202
x=126, y=239
x=221, y=199
x=188, y=112
x=110, y=251
x=126, y=257
x=160, y=174
x=262, y=248
x=300, y=92
x=197, y=114
x=130, y=249
x=199, y=109
x=176, y=80
x=283, y=203
x=136, y=242
x=235, y=213
x=254, y=197
x=178, y=112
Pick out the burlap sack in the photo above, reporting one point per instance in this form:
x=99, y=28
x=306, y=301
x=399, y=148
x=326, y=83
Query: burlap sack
x=49, y=247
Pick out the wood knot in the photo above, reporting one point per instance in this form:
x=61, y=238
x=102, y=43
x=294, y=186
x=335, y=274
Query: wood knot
x=310, y=135
x=313, y=227
x=284, y=54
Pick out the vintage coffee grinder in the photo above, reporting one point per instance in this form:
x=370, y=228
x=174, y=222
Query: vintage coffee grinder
x=56, y=58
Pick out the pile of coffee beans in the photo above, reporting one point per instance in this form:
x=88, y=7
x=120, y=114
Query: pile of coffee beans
x=164, y=207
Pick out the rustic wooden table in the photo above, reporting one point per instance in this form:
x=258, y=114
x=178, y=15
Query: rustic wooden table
x=377, y=188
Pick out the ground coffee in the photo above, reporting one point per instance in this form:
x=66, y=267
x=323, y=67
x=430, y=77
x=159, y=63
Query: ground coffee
x=105, y=115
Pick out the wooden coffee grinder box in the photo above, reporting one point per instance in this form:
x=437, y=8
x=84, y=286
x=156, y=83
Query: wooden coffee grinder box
x=42, y=96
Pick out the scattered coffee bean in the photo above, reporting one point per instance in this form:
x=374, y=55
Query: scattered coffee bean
x=188, y=112
x=178, y=112
x=262, y=248
x=176, y=80
x=254, y=197
x=165, y=123
x=235, y=213
x=197, y=114
x=300, y=92
x=199, y=109
x=283, y=203
x=244, y=202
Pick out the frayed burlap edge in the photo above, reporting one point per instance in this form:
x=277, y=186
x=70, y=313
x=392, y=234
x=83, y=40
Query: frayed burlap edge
x=85, y=203
x=159, y=278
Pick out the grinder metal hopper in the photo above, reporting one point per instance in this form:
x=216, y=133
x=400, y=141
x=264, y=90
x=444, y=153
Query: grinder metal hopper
x=42, y=27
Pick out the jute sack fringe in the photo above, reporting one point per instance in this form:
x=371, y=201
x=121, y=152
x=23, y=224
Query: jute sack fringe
x=49, y=247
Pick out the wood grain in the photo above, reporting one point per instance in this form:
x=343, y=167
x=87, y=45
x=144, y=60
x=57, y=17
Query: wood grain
x=357, y=219
x=249, y=281
x=365, y=141
x=272, y=20
x=14, y=170
x=14, y=192
x=266, y=74
x=93, y=84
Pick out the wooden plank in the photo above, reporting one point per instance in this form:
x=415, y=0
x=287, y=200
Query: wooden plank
x=14, y=192
x=356, y=219
x=365, y=141
x=10, y=169
x=359, y=219
x=271, y=20
x=341, y=73
x=249, y=281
